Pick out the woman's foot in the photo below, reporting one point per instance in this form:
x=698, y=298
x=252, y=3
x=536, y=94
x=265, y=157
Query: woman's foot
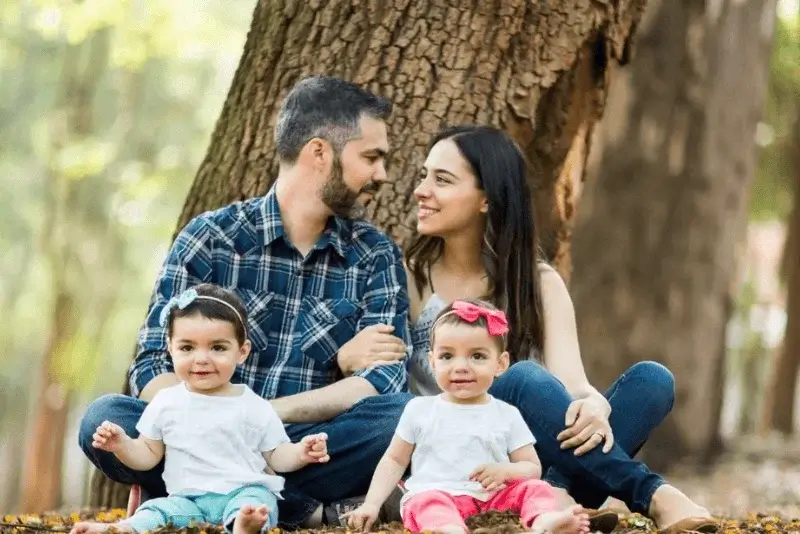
x=571, y=521
x=89, y=527
x=673, y=512
x=250, y=520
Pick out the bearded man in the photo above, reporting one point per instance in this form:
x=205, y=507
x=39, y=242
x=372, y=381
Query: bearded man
x=325, y=293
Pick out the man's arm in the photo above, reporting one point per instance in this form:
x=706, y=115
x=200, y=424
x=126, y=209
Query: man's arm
x=325, y=403
x=188, y=263
x=385, y=301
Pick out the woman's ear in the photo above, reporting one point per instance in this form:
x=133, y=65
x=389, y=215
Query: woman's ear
x=244, y=351
x=484, y=205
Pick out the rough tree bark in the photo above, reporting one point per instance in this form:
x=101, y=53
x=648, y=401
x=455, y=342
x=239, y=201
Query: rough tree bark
x=782, y=389
x=537, y=69
x=655, y=243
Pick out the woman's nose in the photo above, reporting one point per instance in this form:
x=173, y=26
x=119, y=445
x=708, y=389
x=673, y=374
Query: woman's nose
x=422, y=191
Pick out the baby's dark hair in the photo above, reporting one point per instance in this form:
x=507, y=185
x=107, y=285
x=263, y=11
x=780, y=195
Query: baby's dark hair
x=211, y=302
x=449, y=316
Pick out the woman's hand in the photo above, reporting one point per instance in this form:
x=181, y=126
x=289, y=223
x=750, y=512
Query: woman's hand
x=587, y=426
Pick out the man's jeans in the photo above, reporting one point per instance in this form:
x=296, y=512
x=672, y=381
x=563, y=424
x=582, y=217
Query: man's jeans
x=640, y=399
x=357, y=440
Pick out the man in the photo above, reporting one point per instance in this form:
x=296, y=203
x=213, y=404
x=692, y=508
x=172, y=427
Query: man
x=325, y=293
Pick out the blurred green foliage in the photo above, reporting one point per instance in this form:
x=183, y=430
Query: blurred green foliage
x=772, y=194
x=106, y=110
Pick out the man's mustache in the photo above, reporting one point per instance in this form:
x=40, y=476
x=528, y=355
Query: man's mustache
x=372, y=188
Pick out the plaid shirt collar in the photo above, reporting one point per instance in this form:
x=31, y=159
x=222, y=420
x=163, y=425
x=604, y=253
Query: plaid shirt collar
x=338, y=230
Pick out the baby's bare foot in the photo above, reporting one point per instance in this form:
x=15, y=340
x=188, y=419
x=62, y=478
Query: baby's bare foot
x=250, y=520
x=88, y=527
x=571, y=521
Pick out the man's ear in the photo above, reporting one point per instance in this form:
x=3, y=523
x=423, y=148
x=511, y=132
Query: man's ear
x=318, y=152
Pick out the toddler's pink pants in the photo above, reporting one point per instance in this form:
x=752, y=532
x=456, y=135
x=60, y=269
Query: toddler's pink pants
x=431, y=510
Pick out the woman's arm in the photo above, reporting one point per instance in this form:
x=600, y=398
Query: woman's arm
x=562, y=353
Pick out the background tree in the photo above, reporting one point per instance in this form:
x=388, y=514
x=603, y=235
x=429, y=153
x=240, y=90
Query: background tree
x=105, y=112
x=540, y=70
x=656, y=243
x=781, y=391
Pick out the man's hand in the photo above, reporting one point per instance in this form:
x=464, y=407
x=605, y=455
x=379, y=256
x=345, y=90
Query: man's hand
x=109, y=437
x=492, y=476
x=362, y=518
x=587, y=426
x=374, y=345
x=315, y=448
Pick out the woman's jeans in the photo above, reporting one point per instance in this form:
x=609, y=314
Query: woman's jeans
x=640, y=399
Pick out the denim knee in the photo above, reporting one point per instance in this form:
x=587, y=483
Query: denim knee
x=530, y=377
x=660, y=384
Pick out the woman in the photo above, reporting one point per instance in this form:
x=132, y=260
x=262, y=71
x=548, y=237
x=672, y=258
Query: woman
x=476, y=239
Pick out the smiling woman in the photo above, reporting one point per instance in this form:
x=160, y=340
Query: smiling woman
x=476, y=238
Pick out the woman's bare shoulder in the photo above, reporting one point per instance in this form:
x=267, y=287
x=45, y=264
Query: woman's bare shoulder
x=554, y=289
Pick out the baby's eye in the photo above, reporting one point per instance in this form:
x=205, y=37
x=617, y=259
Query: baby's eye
x=185, y=348
x=219, y=348
x=445, y=356
x=479, y=356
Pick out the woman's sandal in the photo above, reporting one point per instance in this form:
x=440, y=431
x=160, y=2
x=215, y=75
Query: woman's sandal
x=604, y=520
x=707, y=525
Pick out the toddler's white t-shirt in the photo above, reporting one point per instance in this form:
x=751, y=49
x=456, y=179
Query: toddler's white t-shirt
x=213, y=444
x=452, y=440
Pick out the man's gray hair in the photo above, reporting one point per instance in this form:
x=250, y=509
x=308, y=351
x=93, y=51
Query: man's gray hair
x=324, y=107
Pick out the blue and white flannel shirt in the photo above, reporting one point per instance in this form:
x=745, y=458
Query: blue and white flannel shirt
x=301, y=310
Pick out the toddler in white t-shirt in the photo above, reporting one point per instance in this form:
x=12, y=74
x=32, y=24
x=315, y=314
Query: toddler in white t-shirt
x=468, y=451
x=222, y=444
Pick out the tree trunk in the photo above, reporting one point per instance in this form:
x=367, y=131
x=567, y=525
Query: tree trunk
x=537, y=69
x=41, y=475
x=782, y=390
x=655, y=244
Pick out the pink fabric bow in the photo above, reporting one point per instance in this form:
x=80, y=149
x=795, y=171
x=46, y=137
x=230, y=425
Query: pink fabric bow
x=496, y=322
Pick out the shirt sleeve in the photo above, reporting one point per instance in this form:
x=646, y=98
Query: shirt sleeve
x=386, y=302
x=151, y=423
x=188, y=263
x=273, y=431
x=519, y=434
x=408, y=426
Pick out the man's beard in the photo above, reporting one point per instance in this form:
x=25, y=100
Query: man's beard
x=342, y=200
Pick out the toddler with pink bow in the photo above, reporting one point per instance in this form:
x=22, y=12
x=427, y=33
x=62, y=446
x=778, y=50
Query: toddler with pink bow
x=468, y=451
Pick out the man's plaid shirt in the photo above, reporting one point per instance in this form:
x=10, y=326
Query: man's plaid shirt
x=301, y=311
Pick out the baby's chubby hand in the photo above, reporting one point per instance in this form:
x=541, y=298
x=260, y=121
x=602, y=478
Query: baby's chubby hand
x=315, y=448
x=109, y=437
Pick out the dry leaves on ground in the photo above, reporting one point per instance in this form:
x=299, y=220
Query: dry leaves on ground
x=758, y=485
x=488, y=523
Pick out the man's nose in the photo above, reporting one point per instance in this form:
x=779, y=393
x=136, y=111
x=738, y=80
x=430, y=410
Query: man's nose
x=381, y=175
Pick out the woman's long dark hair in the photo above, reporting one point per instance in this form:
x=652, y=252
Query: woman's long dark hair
x=510, y=251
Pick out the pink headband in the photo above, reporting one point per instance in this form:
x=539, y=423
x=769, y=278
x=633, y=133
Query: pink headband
x=496, y=322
